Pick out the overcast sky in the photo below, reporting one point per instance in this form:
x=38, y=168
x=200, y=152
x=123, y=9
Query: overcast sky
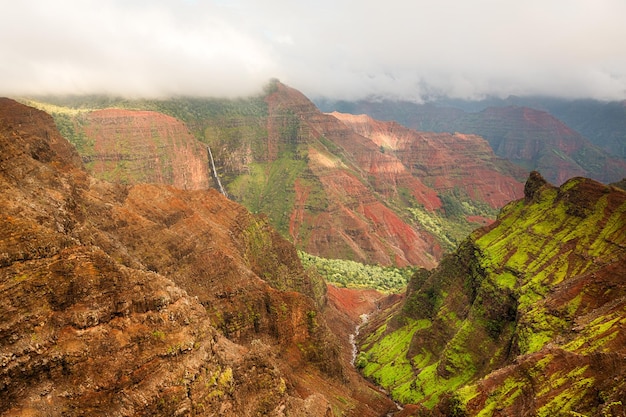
x=409, y=49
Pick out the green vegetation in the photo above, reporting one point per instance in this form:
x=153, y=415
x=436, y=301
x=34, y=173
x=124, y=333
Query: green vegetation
x=158, y=335
x=450, y=224
x=263, y=256
x=385, y=361
x=269, y=188
x=486, y=300
x=353, y=274
x=69, y=121
x=538, y=242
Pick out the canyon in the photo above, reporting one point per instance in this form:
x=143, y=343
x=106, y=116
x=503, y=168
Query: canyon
x=151, y=300
x=132, y=286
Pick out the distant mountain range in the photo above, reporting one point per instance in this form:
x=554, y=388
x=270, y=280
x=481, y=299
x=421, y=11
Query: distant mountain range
x=558, y=138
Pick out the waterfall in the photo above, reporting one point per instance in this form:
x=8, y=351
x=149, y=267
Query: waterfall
x=217, y=178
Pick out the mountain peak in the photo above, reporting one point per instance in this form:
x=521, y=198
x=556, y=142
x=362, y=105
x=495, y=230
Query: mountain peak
x=281, y=96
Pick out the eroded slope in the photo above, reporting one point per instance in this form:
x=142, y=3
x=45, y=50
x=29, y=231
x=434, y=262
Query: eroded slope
x=525, y=133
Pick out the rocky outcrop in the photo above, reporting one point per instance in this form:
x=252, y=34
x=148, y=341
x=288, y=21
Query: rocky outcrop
x=525, y=318
x=151, y=300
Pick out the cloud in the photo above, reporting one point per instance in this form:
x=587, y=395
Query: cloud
x=338, y=49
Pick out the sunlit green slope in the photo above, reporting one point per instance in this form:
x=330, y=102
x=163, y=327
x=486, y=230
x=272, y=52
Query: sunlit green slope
x=528, y=314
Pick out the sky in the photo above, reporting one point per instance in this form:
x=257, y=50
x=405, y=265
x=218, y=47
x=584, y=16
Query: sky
x=340, y=49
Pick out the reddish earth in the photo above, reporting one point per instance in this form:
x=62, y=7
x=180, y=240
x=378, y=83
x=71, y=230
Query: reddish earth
x=297, y=215
x=357, y=224
x=483, y=221
x=356, y=302
x=538, y=140
x=444, y=161
x=345, y=308
x=363, y=165
x=361, y=224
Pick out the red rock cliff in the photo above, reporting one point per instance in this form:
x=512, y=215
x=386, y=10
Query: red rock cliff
x=444, y=161
x=363, y=165
x=144, y=146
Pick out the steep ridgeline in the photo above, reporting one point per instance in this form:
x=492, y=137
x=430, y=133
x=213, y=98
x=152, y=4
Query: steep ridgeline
x=527, y=317
x=136, y=300
x=604, y=123
x=366, y=191
x=537, y=140
x=532, y=138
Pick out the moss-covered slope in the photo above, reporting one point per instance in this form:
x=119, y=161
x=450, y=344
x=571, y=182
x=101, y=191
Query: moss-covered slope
x=527, y=317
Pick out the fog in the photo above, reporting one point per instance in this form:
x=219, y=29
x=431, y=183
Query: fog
x=411, y=49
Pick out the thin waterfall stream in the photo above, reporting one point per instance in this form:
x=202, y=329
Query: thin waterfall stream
x=217, y=178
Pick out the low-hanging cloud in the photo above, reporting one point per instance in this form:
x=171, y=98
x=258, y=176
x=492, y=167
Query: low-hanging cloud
x=338, y=49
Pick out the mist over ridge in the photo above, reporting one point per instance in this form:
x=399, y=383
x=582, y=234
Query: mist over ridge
x=348, y=50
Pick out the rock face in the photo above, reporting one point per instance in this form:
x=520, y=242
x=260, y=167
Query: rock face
x=525, y=318
x=349, y=193
x=142, y=147
x=151, y=300
x=443, y=161
x=537, y=140
x=355, y=222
